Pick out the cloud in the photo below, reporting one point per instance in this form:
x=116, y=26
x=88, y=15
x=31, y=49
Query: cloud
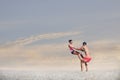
x=16, y=54
x=12, y=24
x=105, y=53
x=32, y=39
x=57, y=54
x=37, y=55
x=105, y=45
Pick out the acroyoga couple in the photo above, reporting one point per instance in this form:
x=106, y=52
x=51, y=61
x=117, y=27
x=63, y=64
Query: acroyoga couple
x=83, y=58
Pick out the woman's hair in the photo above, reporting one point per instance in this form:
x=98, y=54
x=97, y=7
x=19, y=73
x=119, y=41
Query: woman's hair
x=69, y=40
x=84, y=43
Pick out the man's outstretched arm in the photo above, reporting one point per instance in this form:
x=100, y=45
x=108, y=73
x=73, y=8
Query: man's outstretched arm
x=81, y=48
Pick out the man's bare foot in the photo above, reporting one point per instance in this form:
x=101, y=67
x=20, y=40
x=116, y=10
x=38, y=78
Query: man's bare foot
x=81, y=70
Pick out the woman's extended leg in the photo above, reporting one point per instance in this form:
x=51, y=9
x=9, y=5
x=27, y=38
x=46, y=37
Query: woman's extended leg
x=78, y=54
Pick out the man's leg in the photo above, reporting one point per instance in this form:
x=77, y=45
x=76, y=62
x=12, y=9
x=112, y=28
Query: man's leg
x=79, y=57
x=86, y=65
x=82, y=65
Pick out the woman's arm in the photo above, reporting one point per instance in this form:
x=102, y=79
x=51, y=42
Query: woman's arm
x=81, y=48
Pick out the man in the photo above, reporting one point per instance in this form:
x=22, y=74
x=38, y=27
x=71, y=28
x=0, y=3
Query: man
x=87, y=57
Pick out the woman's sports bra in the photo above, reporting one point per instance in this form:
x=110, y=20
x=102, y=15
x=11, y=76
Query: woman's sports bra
x=70, y=47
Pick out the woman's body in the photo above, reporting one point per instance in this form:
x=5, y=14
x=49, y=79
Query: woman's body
x=73, y=50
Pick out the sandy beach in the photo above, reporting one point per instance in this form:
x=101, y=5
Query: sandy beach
x=59, y=75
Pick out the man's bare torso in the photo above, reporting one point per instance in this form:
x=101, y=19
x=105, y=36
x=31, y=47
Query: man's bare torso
x=86, y=50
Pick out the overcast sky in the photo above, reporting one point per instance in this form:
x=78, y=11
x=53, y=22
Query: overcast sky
x=32, y=31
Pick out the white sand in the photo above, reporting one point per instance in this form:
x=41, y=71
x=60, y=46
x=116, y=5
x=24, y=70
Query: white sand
x=59, y=75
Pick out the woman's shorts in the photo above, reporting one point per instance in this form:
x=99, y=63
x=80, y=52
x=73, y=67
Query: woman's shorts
x=87, y=59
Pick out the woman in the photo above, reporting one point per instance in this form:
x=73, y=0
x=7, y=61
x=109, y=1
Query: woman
x=74, y=52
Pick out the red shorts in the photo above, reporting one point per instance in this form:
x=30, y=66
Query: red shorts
x=86, y=59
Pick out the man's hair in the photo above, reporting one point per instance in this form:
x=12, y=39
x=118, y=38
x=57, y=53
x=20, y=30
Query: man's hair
x=69, y=40
x=84, y=43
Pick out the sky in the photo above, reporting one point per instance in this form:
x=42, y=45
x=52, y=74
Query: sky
x=35, y=33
